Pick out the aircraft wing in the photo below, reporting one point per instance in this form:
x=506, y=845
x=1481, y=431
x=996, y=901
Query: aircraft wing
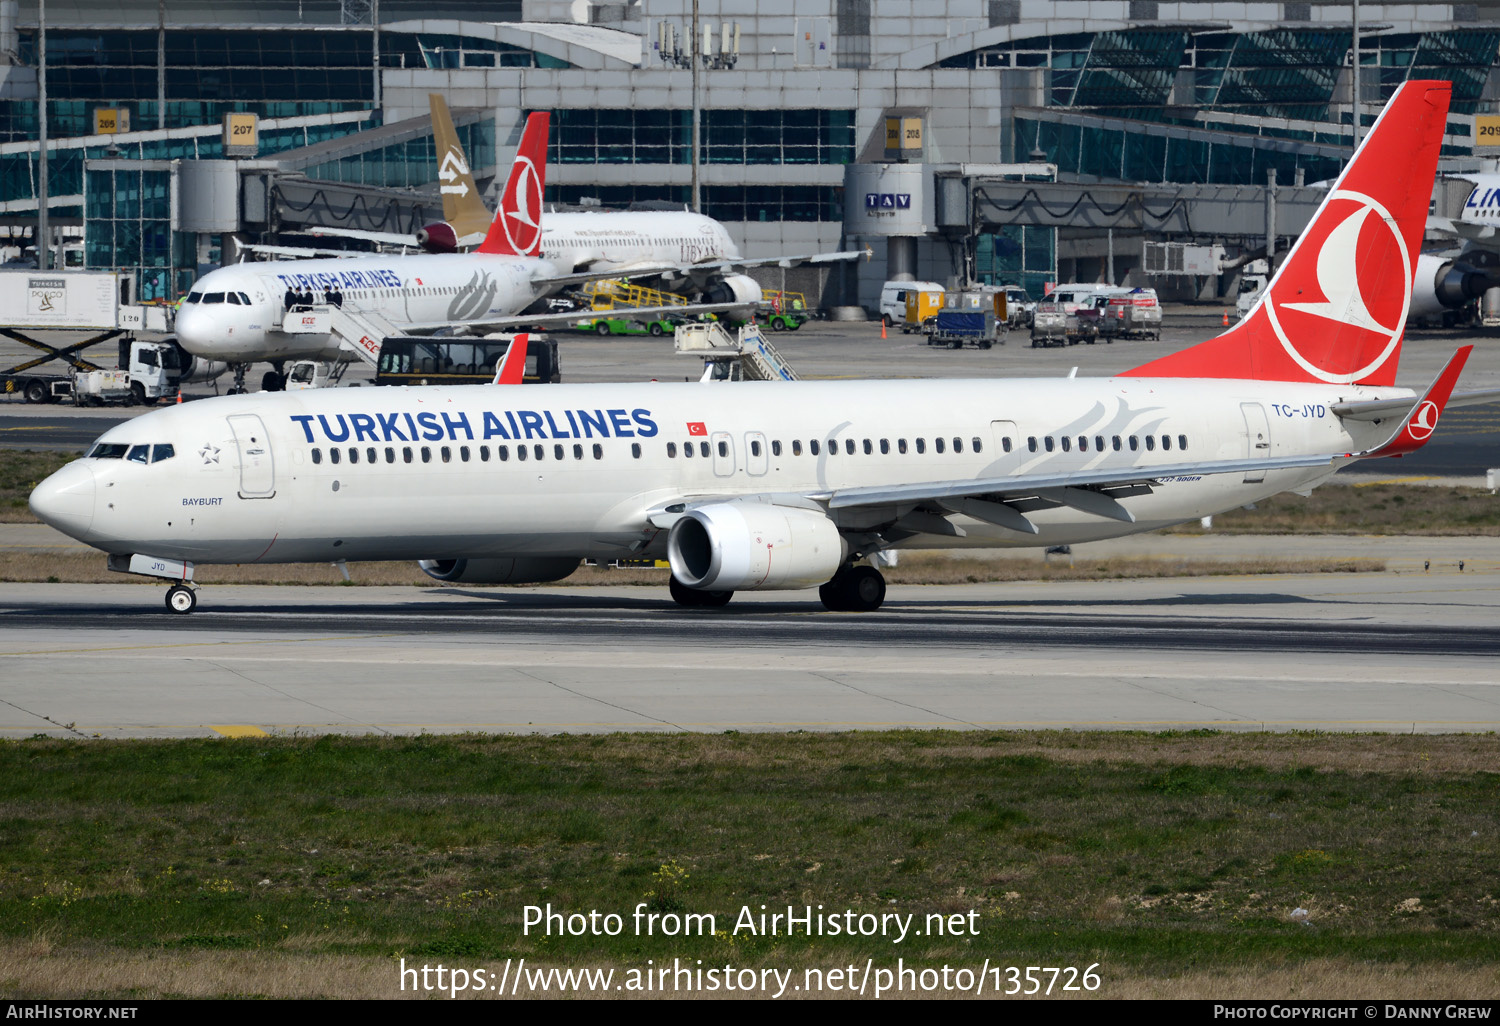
x=1006, y=500
x=385, y=238
x=736, y=266
x=304, y=252
x=570, y=318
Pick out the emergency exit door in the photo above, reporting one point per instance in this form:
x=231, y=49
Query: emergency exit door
x=1258, y=439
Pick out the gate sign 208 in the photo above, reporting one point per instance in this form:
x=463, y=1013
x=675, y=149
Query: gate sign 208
x=887, y=201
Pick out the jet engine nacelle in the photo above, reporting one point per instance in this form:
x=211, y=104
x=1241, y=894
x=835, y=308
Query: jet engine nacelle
x=736, y=288
x=526, y=570
x=1444, y=284
x=745, y=546
x=438, y=237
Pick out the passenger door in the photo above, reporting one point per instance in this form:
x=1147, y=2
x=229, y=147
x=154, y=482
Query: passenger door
x=257, y=465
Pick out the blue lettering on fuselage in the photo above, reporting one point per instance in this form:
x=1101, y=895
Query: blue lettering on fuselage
x=436, y=427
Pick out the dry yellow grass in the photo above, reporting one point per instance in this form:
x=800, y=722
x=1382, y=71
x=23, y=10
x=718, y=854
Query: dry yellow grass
x=38, y=969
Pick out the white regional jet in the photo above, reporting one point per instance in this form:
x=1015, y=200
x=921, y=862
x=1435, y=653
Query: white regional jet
x=754, y=485
x=252, y=312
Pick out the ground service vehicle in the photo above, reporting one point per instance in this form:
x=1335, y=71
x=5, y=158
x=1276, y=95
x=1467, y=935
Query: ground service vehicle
x=785, y=311
x=1049, y=325
x=893, y=298
x=922, y=305
x=1133, y=314
x=146, y=373
x=974, y=316
x=442, y=361
x=626, y=326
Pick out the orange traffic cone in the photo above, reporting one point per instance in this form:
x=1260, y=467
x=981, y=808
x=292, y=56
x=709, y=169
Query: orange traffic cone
x=882, y=327
x=1225, y=322
x=179, y=395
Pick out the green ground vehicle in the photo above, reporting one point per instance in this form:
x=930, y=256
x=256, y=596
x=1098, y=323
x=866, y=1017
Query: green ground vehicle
x=625, y=326
x=784, y=311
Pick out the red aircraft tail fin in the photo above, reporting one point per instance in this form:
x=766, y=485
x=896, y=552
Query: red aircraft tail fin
x=517, y=228
x=1336, y=310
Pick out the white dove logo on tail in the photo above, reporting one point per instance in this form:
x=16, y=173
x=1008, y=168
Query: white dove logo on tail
x=1338, y=280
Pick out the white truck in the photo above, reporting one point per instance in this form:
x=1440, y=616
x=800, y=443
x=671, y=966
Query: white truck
x=147, y=372
x=1252, y=283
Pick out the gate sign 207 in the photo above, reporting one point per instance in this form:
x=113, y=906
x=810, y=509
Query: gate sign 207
x=877, y=201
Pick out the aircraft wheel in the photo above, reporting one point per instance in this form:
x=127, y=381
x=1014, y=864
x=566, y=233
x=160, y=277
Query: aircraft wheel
x=181, y=599
x=857, y=589
x=695, y=598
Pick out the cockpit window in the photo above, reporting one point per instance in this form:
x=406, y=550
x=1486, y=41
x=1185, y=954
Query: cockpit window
x=194, y=297
x=162, y=452
x=244, y=299
x=234, y=297
x=213, y=297
x=139, y=454
x=108, y=451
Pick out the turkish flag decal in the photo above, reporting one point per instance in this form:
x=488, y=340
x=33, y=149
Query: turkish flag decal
x=696, y=427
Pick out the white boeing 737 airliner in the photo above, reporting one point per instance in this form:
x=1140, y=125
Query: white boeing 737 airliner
x=754, y=485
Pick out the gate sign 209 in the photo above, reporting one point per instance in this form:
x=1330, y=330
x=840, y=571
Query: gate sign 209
x=887, y=201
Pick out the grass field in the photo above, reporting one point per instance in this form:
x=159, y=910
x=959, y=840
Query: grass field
x=1197, y=864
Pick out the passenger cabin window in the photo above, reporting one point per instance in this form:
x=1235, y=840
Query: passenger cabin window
x=1135, y=443
x=463, y=453
x=979, y=443
x=635, y=449
x=958, y=445
x=1182, y=441
x=812, y=447
x=426, y=454
x=723, y=449
x=849, y=446
x=796, y=447
x=671, y=450
x=598, y=451
x=868, y=450
x=1150, y=443
x=939, y=448
x=353, y=455
x=406, y=454
x=775, y=447
x=333, y=455
x=317, y=456
x=703, y=449
x=885, y=447
x=921, y=446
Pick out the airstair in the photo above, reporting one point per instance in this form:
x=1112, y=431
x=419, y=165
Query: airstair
x=743, y=356
x=360, y=332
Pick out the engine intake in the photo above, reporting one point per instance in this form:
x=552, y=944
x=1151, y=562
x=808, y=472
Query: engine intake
x=526, y=570
x=749, y=546
x=736, y=288
x=438, y=237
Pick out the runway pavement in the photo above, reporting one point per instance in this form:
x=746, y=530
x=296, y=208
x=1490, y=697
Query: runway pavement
x=1389, y=652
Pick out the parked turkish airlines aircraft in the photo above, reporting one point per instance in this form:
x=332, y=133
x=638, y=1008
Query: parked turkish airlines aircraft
x=687, y=251
x=755, y=485
x=1470, y=266
x=275, y=312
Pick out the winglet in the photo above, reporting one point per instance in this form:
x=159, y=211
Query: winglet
x=517, y=228
x=513, y=368
x=1422, y=421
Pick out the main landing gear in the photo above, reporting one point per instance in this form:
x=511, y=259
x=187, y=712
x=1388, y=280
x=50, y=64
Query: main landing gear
x=694, y=598
x=854, y=589
x=181, y=599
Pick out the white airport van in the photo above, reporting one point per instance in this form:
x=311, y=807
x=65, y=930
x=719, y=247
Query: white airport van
x=893, y=298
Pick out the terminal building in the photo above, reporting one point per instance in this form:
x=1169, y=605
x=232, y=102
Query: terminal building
x=1017, y=141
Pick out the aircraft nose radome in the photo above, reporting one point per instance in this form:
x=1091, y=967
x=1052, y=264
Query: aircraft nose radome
x=196, y=331
x=66, y=500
